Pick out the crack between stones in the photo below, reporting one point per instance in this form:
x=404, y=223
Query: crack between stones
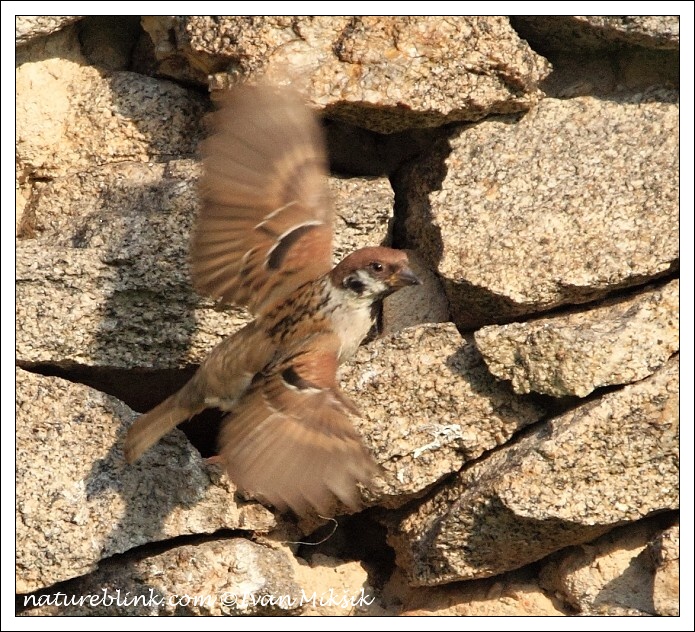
x=134, y=555
x=555, y=407
x=615, y=54
x=654, y=282
x=139, y=388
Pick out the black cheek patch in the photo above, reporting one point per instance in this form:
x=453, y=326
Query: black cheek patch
x=293, y=378
x=279, y=252
x=354, y=283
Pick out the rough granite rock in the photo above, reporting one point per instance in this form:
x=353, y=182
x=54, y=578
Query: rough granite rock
x=428, y=406
x=579, y=32
x=416, y=304
x=618, y=342
x=77, y=306
x=363, y=209
x=83, y=118
x=516, y=594
x=93, y=116
x=333, y=587
x=566, y=482
x=665, y=553
x=104, y=280
x=611, y=576
x=383, y=73
x=574, y=200
x=219, y=577
x=78, y=502
x=32, y=27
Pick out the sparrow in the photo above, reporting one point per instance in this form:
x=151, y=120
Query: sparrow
x=263, y=240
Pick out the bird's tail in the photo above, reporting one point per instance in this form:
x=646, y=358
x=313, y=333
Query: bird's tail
x=152, y=426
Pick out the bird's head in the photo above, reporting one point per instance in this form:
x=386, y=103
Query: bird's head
x=373, y=273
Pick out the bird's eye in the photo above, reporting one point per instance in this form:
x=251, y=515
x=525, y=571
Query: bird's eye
x=375, y=266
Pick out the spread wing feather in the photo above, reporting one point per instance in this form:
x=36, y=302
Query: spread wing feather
x=265, y=225
x=290, y=439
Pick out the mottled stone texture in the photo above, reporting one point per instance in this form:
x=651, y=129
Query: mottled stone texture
x=568, y=481
x=618, y=342
x=32, y=27
x=383, y=73
x=227, y=577
x=426, y=413
x=572, y=201
x=664, y=551
x=80, y=117
x=77, y=500
x=613, y=575
x=222, y=577
x=515, y=594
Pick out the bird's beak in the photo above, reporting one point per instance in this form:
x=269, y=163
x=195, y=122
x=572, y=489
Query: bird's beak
x=403, y=278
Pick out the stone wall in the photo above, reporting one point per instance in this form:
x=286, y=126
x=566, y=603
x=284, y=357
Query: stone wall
x=523, y=401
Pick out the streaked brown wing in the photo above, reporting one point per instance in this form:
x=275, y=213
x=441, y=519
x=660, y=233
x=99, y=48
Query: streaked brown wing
x=290, y=440
x=265, y=225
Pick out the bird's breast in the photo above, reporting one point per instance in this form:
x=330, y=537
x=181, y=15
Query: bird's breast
x=319, y=307
x=351, y=322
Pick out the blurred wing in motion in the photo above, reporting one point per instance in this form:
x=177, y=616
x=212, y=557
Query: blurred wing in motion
x=265, y=225
x=290, y=440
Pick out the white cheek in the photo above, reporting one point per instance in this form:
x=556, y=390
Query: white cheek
x=372, y=287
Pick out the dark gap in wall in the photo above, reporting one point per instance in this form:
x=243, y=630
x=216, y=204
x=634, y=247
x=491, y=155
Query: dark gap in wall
x=358, y=537
x=141, y=390
x=108, y=41
x=355, y=151
x=439, y=151
x=590, y=60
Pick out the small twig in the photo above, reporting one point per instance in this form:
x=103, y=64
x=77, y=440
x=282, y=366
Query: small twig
x=330, y=535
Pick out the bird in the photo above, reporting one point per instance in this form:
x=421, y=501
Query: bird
x=263, y=240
